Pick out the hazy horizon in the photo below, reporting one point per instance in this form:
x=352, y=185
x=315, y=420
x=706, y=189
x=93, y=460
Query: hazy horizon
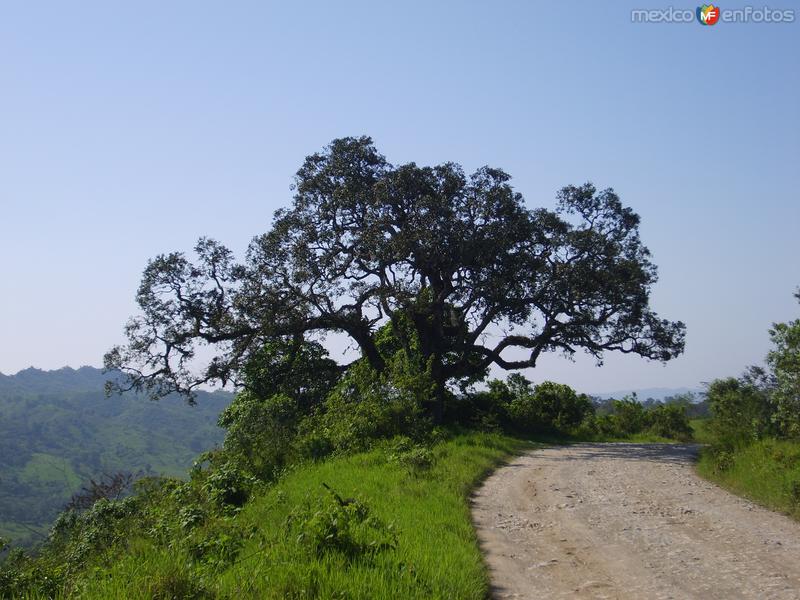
x=132, y=131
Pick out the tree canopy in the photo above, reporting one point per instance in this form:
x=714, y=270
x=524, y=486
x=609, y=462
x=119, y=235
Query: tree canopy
x=784, y=363
x=464, y=273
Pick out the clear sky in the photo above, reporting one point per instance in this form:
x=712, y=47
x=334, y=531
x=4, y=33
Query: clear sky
x=130, y=129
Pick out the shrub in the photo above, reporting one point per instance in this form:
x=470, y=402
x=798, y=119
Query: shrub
x=414, y=458
x=228, y=487
x=741, y=411
x=548, y=406
x=629, y=416
x=216, y=547
x=486, y=410
x=669, y=421
x=365, y=408
x=191, y=516
x=260, y=432
x=722, y=459
x=340, y=525
x=784, y=363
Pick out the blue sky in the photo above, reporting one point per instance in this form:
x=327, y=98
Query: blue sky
x=133, y=129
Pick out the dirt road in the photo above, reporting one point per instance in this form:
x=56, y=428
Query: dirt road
x=628, y=521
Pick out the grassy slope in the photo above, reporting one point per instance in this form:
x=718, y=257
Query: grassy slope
x=767, y=471
x=436, y=555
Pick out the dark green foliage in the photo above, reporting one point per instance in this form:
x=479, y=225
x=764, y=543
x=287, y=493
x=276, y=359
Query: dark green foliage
x=669, y=421
x=94, y=530
x=696, y=408
x=794, y=493
x=216, y=547
x=366, y=407
x=629, y=417
x=296, y=368
x=485, y=410
x=227, y=486
x=763, y=402
x=267, y=434
x=722, y=459
x=517, y=405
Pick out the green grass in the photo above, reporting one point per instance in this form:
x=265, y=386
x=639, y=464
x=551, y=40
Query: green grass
x=766, y=471
x=701, y=431
x=435, y=556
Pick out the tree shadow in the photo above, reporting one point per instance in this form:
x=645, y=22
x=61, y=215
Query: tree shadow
x=655, y=453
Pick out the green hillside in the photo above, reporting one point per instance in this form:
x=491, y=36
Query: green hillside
x=364, y=526
x=57, y=430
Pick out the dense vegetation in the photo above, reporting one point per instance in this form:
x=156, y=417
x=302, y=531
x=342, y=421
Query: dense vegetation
x=58, y=430
x=754, y=431
x=350, y=480
x=326, y=487
x=379, y=524
x=459, y=269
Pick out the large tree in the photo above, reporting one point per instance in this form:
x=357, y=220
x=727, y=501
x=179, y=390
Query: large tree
x=463, y=271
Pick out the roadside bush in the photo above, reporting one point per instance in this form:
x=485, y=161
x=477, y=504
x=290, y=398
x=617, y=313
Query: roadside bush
x=721, y=459
x=669, y=421
x=784, y=364
x=742, y=412
x=547, y=406
x=485, y=410
x=629, y=416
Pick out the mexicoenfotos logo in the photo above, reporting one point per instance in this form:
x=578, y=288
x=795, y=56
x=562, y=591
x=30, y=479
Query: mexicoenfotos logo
x=708, y=14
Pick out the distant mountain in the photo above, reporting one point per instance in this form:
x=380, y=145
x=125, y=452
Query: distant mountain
x=64, y=380
x=57, y=430
x=658, y=393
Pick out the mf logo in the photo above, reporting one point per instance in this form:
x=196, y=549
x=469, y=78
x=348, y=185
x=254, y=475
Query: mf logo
x=708, y=14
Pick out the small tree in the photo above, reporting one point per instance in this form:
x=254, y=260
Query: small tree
x=741, y=410
x=547, y=406
x=108, y=486
x=784, y=362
